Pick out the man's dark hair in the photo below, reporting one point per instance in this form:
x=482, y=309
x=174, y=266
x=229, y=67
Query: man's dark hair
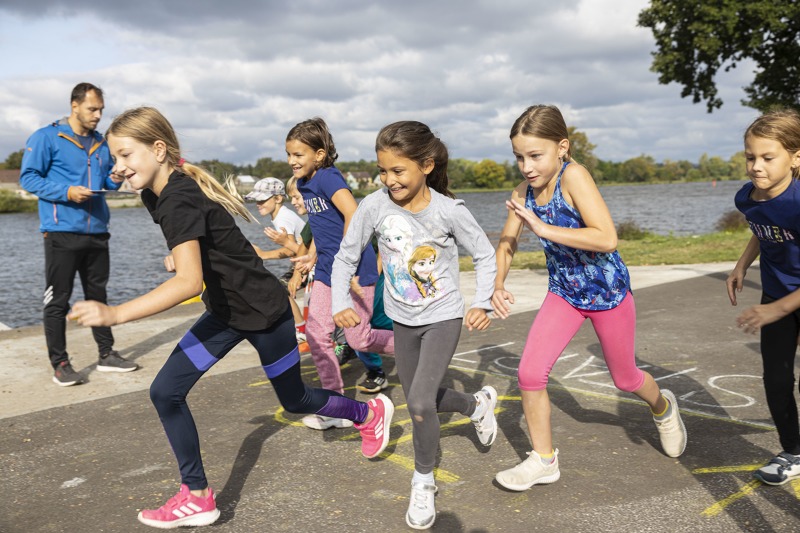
x=80, y=90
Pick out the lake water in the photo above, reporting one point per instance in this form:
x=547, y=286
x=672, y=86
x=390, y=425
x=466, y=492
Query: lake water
x=137, y=246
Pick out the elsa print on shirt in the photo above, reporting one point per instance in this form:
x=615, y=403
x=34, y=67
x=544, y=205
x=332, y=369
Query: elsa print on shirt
x=396, y=235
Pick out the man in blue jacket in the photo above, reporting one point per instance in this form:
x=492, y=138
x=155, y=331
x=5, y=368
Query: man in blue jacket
x=64, y=164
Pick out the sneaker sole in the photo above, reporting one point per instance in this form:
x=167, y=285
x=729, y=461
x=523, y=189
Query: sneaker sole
x=115, y=369
x=66, y=383
x=373, y=390
x=415, y=526
x=200, y=519
x=388, y=413
x=541, y=481
x=340, y=423
x=674, y=401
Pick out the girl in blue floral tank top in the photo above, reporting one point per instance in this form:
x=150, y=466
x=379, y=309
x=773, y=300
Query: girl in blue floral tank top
x=561, y=204
x=588, y=280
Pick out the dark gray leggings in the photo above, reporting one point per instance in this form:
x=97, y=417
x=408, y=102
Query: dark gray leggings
x=422, y=356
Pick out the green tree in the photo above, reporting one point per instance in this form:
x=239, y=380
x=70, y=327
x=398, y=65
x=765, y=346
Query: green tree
x=268, y=167
x=459, y=173
x=639, y=169
x=736, y=166
x=219, y=169
x=14, y=160
x=582, y=150
x=489, y=174
x=695, y=39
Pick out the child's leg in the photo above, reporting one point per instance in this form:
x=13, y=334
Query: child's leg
x=372, y=361
x=362, y=337
x=208, y=340
x=778, y=350
x=319, y=327
x=552, y=329
x=616, y=329
x=423, y=355
x=280, y=359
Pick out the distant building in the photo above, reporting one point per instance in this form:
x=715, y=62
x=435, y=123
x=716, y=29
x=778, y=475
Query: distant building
x=9, y=179
x=245, y=183
x=359, y=180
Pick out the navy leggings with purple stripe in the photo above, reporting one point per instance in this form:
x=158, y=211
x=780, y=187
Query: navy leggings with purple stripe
x=208, y=340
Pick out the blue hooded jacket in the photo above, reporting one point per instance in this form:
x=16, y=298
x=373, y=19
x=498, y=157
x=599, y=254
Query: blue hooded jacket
x=53, y=161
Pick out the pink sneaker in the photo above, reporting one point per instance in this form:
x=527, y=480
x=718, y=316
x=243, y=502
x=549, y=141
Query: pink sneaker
x=183, y=509
x=375, y=433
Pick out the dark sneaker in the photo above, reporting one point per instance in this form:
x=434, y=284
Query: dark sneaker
x=65, y=375
x=780, y=469
x=113, y=362
x=344, y=353
x=374, y=382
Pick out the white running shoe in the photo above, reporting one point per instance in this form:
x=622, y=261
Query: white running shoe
x=325, y=422
x=421, y=511
x=529, y=472
x=486, y=426
x=671, y=430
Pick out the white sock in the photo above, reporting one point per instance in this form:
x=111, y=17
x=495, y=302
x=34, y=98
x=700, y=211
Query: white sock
x=423, y=478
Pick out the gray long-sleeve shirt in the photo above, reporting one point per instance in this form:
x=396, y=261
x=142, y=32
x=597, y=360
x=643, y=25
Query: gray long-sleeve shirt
x=419, y=252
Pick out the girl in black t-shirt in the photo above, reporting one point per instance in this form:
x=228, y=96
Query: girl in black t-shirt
x=243, y=301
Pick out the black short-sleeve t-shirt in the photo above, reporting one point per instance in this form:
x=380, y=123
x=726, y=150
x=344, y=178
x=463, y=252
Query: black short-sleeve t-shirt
x=239, y=290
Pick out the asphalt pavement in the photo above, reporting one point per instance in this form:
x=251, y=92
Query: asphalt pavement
x=88, y=457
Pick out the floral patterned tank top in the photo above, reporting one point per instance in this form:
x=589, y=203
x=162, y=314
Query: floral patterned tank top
x=594, y=281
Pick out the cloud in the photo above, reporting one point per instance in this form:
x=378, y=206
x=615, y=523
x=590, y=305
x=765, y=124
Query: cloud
x=234, y=76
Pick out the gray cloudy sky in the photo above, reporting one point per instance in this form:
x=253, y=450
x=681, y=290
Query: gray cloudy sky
x=233, y=76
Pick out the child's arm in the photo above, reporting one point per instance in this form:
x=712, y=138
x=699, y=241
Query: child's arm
x=760, y=315
x=735, y=281
x=187, y=283
x=509, y=240
x=469, y=234
x=345, y=264
x=283, y=239
x=281, y=253
x=578, y=189
x=346, y=204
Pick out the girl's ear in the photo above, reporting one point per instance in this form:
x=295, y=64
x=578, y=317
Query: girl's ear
x=319, y=155
x=160, y=151
x=796, y=160
x=428, y=166
x=563, y=148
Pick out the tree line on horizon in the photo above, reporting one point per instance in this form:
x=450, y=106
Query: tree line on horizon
x=489, y=174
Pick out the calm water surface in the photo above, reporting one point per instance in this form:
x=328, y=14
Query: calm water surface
x=137, y=245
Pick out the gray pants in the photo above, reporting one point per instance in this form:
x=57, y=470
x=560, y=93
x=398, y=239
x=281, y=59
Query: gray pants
x=422, y=355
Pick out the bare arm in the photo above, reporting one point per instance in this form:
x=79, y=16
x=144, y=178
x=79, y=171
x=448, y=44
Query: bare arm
x=735, y=281
x=187, y=283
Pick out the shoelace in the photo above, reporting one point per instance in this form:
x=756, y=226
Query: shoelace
x=420, y=498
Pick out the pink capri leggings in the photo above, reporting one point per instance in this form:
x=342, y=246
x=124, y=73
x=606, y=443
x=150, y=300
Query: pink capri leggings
x=555, y=325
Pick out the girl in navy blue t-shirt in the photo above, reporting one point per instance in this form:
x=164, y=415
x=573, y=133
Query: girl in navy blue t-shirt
x=330, y=206
x=771, y=205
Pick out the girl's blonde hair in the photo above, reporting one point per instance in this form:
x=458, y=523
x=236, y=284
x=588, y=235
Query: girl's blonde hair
x=147, y=125
x=545, y=122
x=291, y=185
x=315, y=133
x=782, y=125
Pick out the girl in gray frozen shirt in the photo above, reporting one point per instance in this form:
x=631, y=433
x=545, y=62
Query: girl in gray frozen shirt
x=419, y=225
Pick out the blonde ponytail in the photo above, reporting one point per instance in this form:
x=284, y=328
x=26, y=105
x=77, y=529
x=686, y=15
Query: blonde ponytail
x=147, y=125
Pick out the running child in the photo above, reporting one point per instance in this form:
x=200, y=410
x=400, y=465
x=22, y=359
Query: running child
x=427, y=324
x=559, y=201
x=330, y=205
x=269, y=196
x=771, y=205
x=243, y=302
